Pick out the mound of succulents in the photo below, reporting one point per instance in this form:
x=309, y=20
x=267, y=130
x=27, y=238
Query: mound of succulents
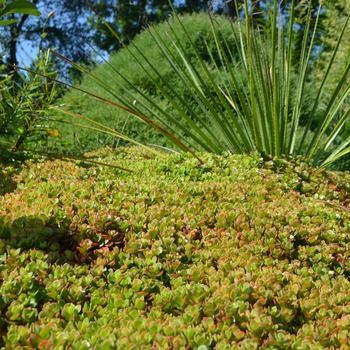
x=235, y=253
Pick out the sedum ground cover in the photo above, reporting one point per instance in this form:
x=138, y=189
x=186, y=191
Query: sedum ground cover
x=238, y=253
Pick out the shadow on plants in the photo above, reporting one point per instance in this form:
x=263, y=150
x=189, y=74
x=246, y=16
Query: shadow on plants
x=34, y=232
x=64, y=243
x=7, y=184
x=10, y=165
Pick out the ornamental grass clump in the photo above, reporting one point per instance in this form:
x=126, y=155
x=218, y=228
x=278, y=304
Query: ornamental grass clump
x=257, y=106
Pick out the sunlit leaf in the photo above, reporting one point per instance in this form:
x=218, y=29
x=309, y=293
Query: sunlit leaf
x=20, y=6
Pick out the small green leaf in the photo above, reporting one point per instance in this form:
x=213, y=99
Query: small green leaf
x=7, y=22
x=21, y=6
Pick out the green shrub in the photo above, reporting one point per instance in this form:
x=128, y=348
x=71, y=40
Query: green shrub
x=75, y=138
x=125, y=64
x=237, y=253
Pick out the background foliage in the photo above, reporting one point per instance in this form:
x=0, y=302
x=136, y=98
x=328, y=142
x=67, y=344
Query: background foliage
x=58, y=19
x=77, y=17
x=248, y=92
x=73, y=28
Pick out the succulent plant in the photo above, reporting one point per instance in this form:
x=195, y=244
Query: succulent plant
x=231, y=254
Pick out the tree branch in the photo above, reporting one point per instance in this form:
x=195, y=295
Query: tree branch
x=15, y=32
